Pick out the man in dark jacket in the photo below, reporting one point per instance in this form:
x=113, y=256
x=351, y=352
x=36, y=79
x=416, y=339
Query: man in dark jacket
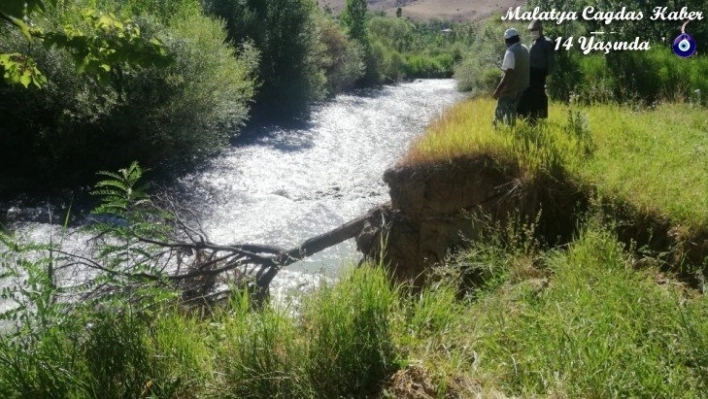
x=534, y=103
x=514, y=80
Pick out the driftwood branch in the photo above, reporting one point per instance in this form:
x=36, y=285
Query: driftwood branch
x=270, y=266
x=195, y=262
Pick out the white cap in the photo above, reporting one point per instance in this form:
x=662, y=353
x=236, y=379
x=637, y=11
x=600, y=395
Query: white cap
x=509, y=33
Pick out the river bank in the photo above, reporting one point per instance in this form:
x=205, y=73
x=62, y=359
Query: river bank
x=510, y=312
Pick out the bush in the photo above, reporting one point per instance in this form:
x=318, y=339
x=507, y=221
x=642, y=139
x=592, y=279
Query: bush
x=341, y=59
x=204, y=96
x=473, y=72
x=394, y=33
x=161, y=116
x=391, y=65
x=423, y=50
x=285, y=33
x=645, y=77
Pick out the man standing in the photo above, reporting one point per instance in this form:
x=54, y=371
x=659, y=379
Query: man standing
x=514, y=80
x=534, y=103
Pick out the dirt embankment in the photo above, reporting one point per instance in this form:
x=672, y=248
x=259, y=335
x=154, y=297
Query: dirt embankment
x=432, y=212
x=432, y=206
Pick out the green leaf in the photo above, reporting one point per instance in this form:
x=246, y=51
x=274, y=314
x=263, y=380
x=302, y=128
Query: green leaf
x=25, y=79
x=21, y=69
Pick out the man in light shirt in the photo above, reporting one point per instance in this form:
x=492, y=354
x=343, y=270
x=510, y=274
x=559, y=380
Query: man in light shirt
x=515, y=78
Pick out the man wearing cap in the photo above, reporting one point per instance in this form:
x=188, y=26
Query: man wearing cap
x=534, y=103
x=514, y=80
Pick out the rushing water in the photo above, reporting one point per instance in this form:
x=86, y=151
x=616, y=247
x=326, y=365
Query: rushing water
x=291, y=184
x=280, y=186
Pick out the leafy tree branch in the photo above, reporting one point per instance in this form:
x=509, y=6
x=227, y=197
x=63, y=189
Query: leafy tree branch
x=107, y=42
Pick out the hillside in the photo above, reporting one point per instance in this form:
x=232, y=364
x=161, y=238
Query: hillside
x=453, y=10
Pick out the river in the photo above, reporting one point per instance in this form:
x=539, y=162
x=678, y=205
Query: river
x=280, y=186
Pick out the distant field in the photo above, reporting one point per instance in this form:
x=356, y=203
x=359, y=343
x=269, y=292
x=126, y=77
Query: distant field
x=452, y=10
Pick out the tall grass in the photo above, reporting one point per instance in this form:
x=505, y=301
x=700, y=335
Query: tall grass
x=592, y=327
x=340, y=345
x=652, y=159
x=657, y=75
x=600, y=329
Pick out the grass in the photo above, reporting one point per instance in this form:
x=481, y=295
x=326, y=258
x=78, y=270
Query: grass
x=592, y=326
x=597, y=328
x=339, y=346
x=655, y=160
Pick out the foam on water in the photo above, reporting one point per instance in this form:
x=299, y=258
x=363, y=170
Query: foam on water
x=280, y=186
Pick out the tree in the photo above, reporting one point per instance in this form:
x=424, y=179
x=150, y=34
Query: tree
x=108, y=41
x=354, y=19
x=284, y=32
x=340, y=58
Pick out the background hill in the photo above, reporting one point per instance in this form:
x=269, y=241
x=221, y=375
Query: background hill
x=451, y=10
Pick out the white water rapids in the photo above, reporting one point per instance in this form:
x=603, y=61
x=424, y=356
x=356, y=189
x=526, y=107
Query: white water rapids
x=281, y=186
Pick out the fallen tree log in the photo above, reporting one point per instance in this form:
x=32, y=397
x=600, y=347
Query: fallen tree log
x=188, y=260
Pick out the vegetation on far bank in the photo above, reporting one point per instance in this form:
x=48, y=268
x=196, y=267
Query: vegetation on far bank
x=102, y=103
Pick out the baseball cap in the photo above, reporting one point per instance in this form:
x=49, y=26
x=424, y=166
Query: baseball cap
x=511, y=32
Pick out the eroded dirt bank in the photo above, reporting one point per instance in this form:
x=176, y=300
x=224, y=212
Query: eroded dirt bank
x=435, y=208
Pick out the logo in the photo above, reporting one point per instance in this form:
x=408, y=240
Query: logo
x=684, y=45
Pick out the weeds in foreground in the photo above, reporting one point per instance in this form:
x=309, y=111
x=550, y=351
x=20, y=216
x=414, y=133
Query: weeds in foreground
x=591, y=326
x=339, y=346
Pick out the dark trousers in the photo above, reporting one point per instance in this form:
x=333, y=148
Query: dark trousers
x=534, y=102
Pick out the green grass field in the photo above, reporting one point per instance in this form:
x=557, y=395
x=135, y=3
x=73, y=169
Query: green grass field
x=656, y=160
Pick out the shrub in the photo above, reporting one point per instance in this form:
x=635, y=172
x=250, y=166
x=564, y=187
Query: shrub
x=484, y=55
x=645, y=77
x=161, y=116
x=285, y=33
x=161, y=9
x=394, y=33
x=339, y=58
x=200, y=101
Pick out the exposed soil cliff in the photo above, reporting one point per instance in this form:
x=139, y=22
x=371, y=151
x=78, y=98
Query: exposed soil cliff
x=432, y=206
x=432, y=212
